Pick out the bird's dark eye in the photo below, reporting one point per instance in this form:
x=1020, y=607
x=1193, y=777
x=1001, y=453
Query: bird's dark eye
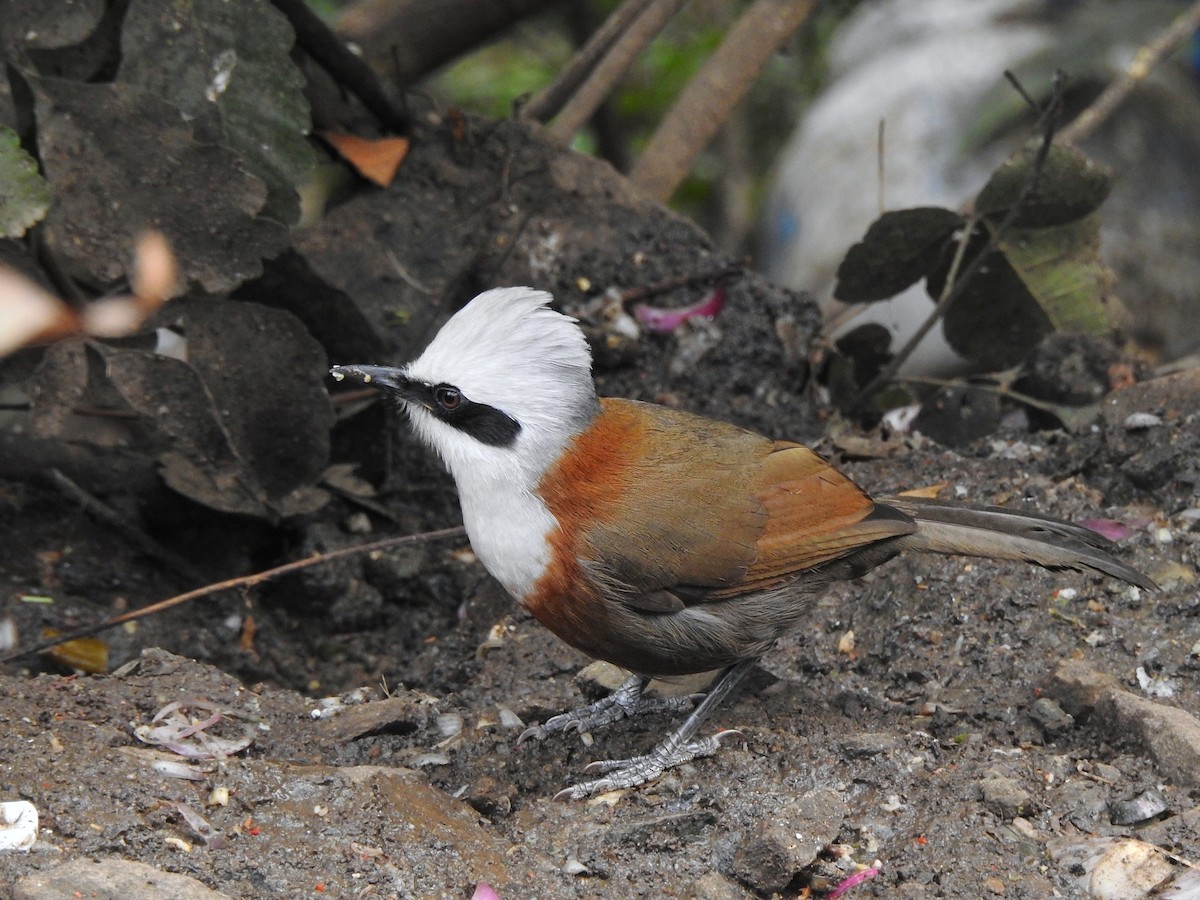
x=447, y=397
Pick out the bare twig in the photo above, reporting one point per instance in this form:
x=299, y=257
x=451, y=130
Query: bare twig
x=951, y=291
x=611, y=68
x=408, y=39
x=669, y=284
x=409, y=279
x=240, y=582
x=1144, y=62
x=1071, y=416
x=881, y=166
x=1020, y=89
x=550, y=100
x=720, y=84
x=955, y=286
x=127, y=529
x=332, y=54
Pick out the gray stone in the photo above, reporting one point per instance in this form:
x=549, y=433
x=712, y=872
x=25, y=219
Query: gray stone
x=111, y=879
x=1004, y=795
x=769, y=855
x=715, y=886
x=866, y=744
x=1146, y=805
x=1170, y=735
x=1077, y=687
x=1053, y=719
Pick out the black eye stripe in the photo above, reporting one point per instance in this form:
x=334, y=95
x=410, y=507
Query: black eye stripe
x=486, y=424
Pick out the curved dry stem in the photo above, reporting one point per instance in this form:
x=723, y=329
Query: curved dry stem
x=242, y=581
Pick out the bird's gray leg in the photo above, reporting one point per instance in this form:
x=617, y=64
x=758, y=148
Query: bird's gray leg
x=678, y=748
x=623, y=703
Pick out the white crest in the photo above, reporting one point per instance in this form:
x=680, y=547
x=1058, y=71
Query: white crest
x=509, y=350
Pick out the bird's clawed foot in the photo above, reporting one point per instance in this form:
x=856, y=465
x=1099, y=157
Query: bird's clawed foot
x=623, y=703
x=627, y=773
x=627, y=701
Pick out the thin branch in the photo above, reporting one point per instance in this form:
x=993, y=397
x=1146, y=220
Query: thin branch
x=240, y=582
x=711, y=95
x=669, y=284
x=1145, y=61
x=881, y=166
x=955, y=286
x=122, y=525
x=1020, y=89
x=610, y=69
x=332, y=54
x=547, y=103
x=951, y=291
x=1071, y=416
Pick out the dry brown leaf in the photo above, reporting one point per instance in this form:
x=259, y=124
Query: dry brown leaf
x=84, y=654
x=377, y=160
x=30, y=314
x=929, y=492
x=155, y=275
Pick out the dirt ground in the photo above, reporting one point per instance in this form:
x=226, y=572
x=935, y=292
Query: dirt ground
x=918, y=721
x=941, y=728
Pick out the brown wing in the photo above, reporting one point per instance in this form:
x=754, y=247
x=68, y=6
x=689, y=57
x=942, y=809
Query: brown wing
x=671, y=501
x=660, y=513
x=815, y=515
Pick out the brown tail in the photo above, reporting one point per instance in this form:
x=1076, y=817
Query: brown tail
x=1006, y=534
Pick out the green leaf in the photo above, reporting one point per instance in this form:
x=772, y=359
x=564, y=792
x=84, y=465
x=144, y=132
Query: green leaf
x=1038, y=281
x=898, y=250
x=1071, y=186
x=1062, y=270
x=24, y=194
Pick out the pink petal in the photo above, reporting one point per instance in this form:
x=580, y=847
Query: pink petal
x=664, y=321
x=1109, y=528
x=856, y=879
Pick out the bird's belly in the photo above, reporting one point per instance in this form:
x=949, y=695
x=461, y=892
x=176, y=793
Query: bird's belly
x=698, y=638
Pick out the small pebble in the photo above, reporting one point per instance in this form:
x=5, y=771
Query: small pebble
x=1140, y=421
x=1053, y=719
x=1156, y=685
x=509, y=719
x=18, y=825
x=357, y=523
x=421, y=760
x=1005, y=795
x=449, y=724
x=575, y=867
x=1144, y=806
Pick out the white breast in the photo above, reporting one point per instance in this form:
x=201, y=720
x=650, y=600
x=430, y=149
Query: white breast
x=509, y=527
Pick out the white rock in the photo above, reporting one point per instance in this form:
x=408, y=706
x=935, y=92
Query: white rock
x=18, y=825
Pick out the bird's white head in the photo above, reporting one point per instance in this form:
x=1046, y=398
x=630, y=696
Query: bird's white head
x=502, y=388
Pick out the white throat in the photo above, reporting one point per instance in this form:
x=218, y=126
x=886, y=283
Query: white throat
x=509, y=527
x=507, y=521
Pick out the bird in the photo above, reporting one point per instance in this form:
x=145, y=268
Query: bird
x=662, y=541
